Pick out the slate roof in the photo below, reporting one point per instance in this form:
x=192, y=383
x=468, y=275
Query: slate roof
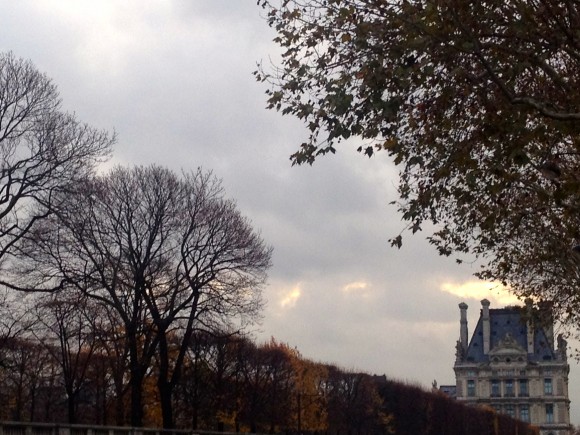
x=503, y=321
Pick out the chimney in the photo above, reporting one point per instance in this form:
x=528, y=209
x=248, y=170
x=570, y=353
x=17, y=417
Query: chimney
x=530, y=325
x=486, y=326
x=547, y=321
x=463, y=326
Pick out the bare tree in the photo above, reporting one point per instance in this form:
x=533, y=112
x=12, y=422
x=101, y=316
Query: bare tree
x=113, y=352
x=43, y=151
x=15, y=321
x=169, y=254
x=20, y=371
x=65, y=329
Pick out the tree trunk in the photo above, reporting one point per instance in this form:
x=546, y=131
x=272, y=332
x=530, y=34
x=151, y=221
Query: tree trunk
x=164, y=383
x=119, y=402
x=136, y=405
x=165, y=394
x=137, y=375
x=136, y=397
x=194, y=417
x=70, y=401
x=33, y=404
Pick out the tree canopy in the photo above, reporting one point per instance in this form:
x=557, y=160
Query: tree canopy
x=476, y=102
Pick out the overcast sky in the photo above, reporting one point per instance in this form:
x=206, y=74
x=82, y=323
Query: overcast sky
x=173, y=79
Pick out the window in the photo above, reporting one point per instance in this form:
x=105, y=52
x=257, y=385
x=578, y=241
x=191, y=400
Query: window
x=509, y=388
x=470, y=388
x=510, y=410
x=495, y=388
x=524, y=388
x=548, y=386
x=525, y=413
x=549, y=413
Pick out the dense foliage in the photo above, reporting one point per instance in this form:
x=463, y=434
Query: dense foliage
x=478, y=104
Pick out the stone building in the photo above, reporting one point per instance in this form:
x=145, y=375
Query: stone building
x=512, y=365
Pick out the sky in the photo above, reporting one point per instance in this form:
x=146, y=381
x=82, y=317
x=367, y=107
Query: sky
x=173, y=79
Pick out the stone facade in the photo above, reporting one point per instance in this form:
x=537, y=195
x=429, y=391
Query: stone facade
x=512, y=365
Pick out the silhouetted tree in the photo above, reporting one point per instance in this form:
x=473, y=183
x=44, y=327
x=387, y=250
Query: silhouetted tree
x=44, y=152
x=169, y=254
x=113, y=352
x=65, y=328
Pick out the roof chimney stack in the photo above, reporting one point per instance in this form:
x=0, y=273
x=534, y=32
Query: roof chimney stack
x=463, y=326
x=486, y=325
x=530, y=325
x=547, y=321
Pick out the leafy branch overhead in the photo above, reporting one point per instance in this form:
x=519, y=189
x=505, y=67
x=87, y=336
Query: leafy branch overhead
x=476, y=102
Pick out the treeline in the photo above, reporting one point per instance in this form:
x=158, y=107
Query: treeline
x=68, y=363
x=65, y=362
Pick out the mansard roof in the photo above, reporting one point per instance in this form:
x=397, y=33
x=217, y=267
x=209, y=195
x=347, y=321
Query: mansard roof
x=509, y=322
